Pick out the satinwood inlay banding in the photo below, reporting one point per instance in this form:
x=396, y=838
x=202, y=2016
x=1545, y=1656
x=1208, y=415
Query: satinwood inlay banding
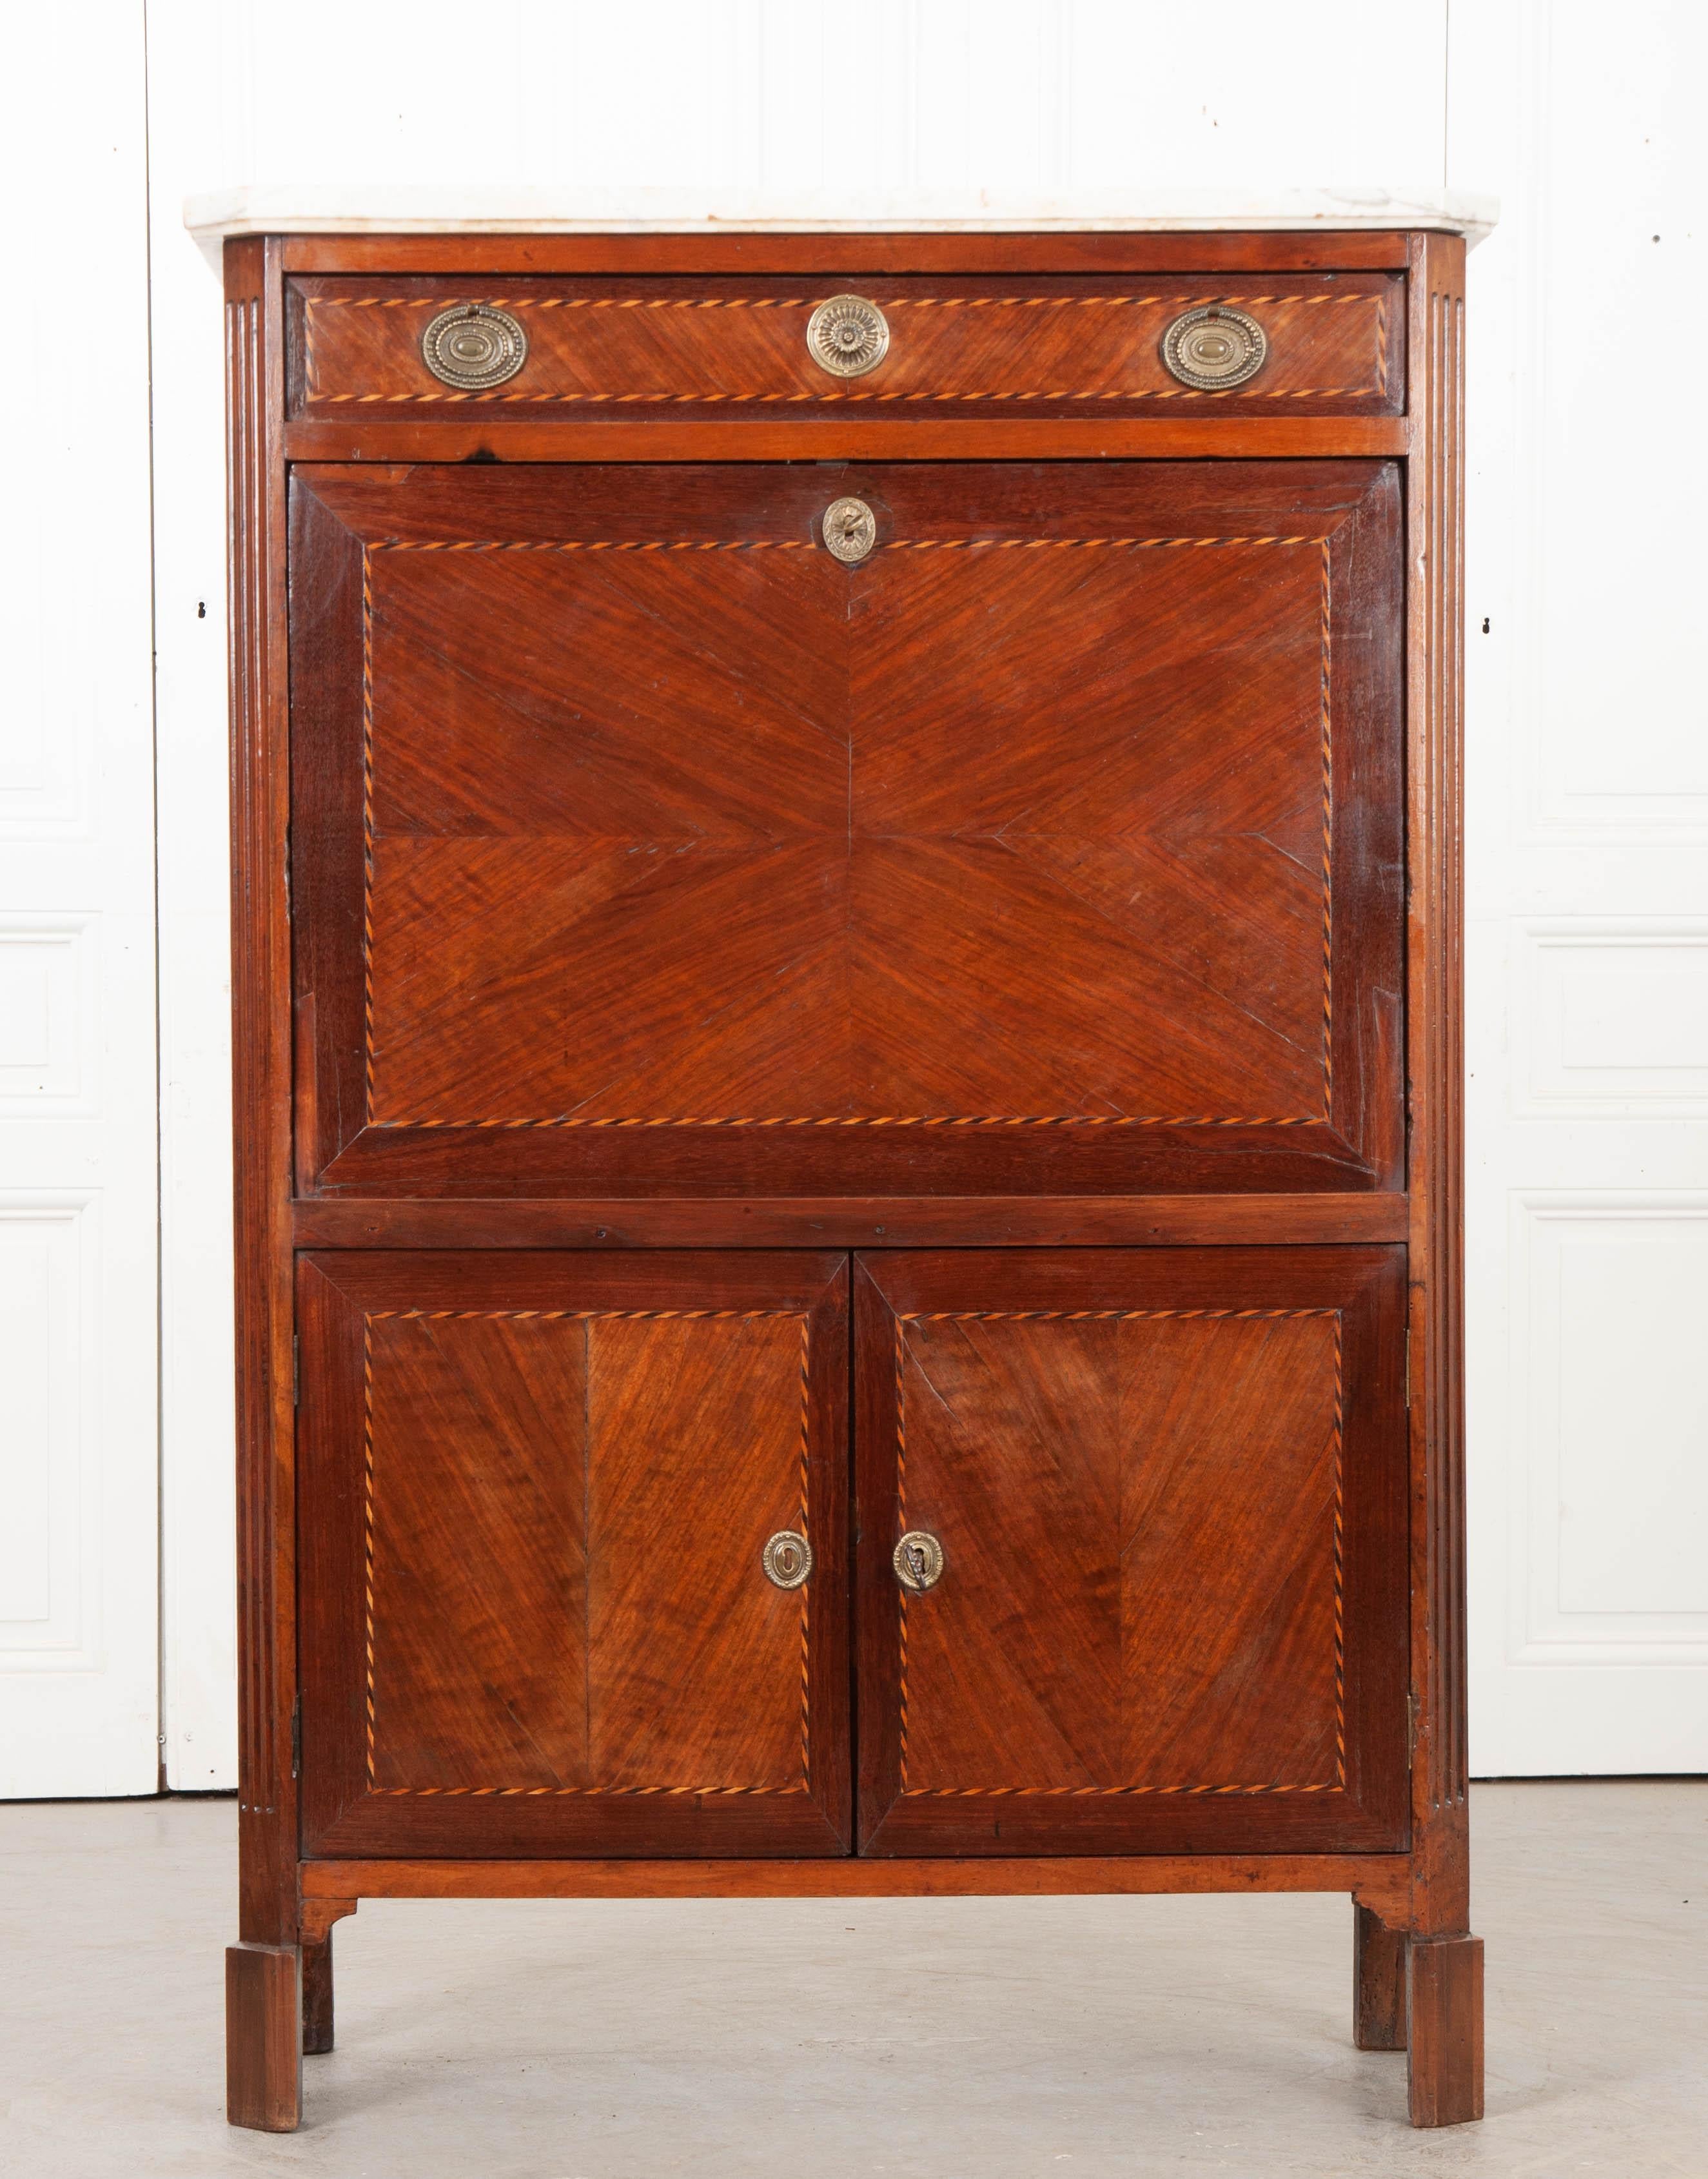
x=327, y=381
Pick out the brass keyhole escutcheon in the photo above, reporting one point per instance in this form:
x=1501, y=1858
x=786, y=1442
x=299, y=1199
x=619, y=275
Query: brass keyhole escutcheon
x=850, y=531
x=786, y=1558
x=918, y=1560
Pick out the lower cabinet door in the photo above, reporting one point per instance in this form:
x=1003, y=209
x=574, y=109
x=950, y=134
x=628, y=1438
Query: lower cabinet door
x=1132, y=1558
x=538, y=1614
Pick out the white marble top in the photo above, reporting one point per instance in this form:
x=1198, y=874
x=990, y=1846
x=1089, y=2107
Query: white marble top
x=280, y=209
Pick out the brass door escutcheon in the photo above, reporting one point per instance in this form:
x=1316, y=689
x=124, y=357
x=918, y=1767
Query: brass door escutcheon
x=786, y=1558
x=850, y=531
x=918, y=1560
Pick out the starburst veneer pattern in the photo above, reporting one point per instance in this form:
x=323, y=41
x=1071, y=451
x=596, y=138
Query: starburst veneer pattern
x=1118, y=913
x=1193, y=1508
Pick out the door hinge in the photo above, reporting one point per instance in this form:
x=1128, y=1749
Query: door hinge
x=297, y=1738
x=1408, y=1369
x=297, y=1371
x=1411, y=1728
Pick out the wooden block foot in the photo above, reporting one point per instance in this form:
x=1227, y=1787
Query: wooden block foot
x=1444, y=1985
x=263, y=2037
x=317, y=1996
x=1378, y=1983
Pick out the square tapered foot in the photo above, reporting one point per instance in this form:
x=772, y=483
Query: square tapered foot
x=1444, y=1989
x=1378, y=1984
x=317, y=1996
x=263, y=2037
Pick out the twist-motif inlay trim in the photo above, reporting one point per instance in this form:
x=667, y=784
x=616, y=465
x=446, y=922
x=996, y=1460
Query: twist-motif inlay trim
x=1335, y=1785
x=810, y=302
x=803, y=1785
x=314, y=391
x=1322, y=1117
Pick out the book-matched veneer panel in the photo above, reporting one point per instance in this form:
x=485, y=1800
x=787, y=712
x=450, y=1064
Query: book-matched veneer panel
x=536, y=1490
x=646, y=848
x=1169, y=1485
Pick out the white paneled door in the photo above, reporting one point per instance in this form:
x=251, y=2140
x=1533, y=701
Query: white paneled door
x=1587, y=935
x=78, y=1670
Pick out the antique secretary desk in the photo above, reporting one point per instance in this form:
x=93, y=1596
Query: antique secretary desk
x=847, y=1016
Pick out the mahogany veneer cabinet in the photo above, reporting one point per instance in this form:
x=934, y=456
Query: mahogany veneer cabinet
x=848, y=1056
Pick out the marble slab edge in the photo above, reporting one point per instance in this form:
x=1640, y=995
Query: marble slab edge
x=266, y=209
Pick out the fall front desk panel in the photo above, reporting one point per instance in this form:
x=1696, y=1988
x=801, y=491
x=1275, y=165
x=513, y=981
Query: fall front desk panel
x=536, y=1487
x=640, y=846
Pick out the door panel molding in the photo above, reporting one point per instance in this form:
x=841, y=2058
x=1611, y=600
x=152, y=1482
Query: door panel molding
x=535, y=1490
x=1082, y=1653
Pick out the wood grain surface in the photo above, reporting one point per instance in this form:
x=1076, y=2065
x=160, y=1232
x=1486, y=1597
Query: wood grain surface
x=1334, y=343
x=1380, y=1880
x=1055, y=846
x=538, y=1488
x=848, y=256
x=261, y=1048
x=634, y=908
x=1446, y=2061
x=263, y=2037
x=1378, y=1983
x=1169, y=1490
x=355, y=434
x=850, y=1222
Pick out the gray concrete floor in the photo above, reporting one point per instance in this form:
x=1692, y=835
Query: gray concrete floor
x=860, y=2039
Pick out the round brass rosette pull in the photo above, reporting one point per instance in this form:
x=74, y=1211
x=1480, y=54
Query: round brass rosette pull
x=850, y=531
x=474, y=346
x=918, y=1560
x=848, y=336
x=1214, y=348
x=786, y=1558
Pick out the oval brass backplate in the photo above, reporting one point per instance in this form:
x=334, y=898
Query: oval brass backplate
x=918, y=1560
x=848, y=336
x=474, y=346
x=786, y=1558
x=1214, y=348
x=850, y=531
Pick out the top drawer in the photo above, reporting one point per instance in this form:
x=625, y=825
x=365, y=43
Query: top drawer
x=1320, y=344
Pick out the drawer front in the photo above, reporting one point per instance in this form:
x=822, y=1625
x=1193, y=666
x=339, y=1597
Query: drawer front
x=642, y=845
x=1331, y=343
x=1167, y=1488
x=536, y=1498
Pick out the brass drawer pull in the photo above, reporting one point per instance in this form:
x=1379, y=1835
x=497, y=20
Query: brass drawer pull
x=786, y=1558
x=1214, y=348
x=848, y=336
x=918, y=1560
x=474, y=346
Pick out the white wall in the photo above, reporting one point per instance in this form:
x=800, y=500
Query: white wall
x=1588, y=798
x=1587, y=1193
x=78, y=1668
